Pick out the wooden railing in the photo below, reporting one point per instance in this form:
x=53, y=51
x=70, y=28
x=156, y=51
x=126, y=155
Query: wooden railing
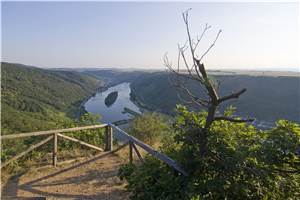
x=54, y=134
x=128, y=140
x=132, y=141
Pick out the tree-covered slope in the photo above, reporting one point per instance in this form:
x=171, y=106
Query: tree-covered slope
x=268, y=98
x=37, y=99
x=113, y=77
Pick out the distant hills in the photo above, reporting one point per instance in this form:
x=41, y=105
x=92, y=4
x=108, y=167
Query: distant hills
x=39, y=99
x=268, y=98
x=113, y=77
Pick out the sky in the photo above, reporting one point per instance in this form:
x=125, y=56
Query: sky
x=260, y=36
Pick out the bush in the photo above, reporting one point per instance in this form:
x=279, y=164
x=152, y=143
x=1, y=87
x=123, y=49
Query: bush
x=241, y=163
x=150, y=127
x=153, y=180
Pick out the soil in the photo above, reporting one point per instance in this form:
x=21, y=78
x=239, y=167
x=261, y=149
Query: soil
x=93, y=178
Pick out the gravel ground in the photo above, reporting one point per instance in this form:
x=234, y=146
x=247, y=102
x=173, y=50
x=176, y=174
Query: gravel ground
x=94, y=178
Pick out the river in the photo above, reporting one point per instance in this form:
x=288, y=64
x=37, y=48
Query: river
x=115, y=112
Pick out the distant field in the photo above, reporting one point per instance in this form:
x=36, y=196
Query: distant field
x=255, y=73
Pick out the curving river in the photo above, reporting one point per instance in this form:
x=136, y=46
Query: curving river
x=114, y=112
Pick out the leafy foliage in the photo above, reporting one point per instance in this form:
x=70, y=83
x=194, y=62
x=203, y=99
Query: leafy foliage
x=36, y=99
x=150, y=127
x=242, y=162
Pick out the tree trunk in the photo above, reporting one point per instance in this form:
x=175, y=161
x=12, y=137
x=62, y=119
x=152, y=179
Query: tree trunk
x=204, y=132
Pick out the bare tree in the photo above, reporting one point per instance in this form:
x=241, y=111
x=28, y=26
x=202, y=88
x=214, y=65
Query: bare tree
x=196, y=71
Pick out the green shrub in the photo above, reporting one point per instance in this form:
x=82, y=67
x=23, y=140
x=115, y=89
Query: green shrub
x=150, y=127
x=242, y=163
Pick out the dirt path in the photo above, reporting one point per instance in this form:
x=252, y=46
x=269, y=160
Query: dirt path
x=95, y=178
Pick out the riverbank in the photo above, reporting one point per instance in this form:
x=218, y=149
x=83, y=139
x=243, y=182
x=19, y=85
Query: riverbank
x=80, y=106
x=144, y=107
x=114, y=112
x=138, y=102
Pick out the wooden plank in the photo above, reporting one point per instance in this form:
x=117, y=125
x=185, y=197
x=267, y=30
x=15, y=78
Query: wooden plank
x=109, y=138
x=130, y=152
x=137, y=152
x=54, y=153
x=106, y=139
x=19, y=135
x=80, y=142
x=152, y=151
x=27, y=151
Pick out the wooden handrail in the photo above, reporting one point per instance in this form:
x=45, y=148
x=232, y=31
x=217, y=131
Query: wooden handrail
x=109, y=144
x=80, y=142
x=172, y=163
x=19, y=135
x=137, y=152
x=54, y=134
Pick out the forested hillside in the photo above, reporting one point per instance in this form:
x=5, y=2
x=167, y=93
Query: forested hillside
x=39, y=99
x=268, y=98
x=113, y=77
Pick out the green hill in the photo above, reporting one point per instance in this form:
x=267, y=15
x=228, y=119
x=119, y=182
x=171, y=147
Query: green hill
x=39, y=99
x=268, y=98
x=114, y=76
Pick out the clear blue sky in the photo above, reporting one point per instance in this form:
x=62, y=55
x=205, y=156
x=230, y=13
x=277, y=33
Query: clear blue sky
x=114, y=34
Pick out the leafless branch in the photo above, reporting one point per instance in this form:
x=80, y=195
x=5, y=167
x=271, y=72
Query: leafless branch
x=233, y=95
x=186, y=76
x=196, y=71
x=233, y=119
x=199, y=39
x=195, y=99
x=211, y=46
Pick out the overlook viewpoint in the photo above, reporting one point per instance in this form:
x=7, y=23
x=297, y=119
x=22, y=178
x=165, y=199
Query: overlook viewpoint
x=150, y=100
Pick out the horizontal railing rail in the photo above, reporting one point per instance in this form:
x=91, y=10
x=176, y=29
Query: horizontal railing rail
x=54, y=135
x=19, y=135
x=132, y=140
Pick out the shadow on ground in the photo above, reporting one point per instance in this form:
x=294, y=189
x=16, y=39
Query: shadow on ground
x=95, y=178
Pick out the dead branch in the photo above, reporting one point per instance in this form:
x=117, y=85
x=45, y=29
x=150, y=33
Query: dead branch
x=232, y=96
x=197, y=72
x=199, y=39
x=233, y=119
x=211, y=46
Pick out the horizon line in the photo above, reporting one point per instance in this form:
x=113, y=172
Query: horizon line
x=295, y=69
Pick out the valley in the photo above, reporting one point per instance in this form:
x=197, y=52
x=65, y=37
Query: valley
x=36, y=99
x=44, y=97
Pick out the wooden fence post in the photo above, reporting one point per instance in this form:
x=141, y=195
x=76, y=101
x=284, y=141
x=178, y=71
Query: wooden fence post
x=54, y=153
x=109, y=138
x=130, y=152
